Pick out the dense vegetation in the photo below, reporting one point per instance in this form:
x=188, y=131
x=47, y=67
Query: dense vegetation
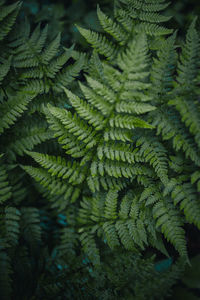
x=99, y=151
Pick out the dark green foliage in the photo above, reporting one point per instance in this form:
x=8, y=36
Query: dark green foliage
x=99, y=175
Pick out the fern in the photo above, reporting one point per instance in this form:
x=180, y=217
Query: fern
x=7, y=17
x=31, y=225
x=5, y=188
x=111, y=148
x=184, y=194
x=130, y=17
x=93, y=194
x=90, y=128
x=129, y=225
x=12, y=217
x=30, y=67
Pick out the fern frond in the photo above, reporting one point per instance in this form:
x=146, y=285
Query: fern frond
x=44, y=63
x=11, y=219
x=152, y=29
x=89, y=247
x=68, y=242
x=188, y=63
x=189, y=115
x=132, y=16
x=145, y=6
x=127, y=226
x=184, y=194
x=128, y=122
x=163, y=68
x=28, y=138
x=168, y=124
x=58, y=167
x=54, y=189
x=51, y=50
x=154, y=153
x=134, y=107
x=96, y=100
x=8, y=16
x=85, y=111
x=5, y=188
x=68, y=74
x=91, y=131
x=76, y=126
x=30, y=220
x=171, y=223
x=195, y=178
x=99, y=42
x=13, y=109
x=111, y=27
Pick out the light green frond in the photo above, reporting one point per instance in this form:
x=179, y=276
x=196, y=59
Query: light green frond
x=29, y=48
x=76, y=126
x=68, y=141
x=134, y=107
x=135, y=59
x=99, y=42
x=96, y=69
x=128, y=122
x=111, y=27
x=152, y=29
x=147, y=12
x=111, y=205
x=43, y=62
x=85, y=111
x=102, y=90
x=154, y=153
x=58, y=167
x=126, y=21
x=117, y=134
x=118, y=152
x=96, y=100
x=107, y=182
